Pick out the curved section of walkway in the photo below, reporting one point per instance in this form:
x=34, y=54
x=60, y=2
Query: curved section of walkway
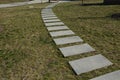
x=61, y=34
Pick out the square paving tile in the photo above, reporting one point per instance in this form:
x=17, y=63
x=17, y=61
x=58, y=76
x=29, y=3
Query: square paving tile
x=89, y=63
x=53, y=20
x=110, y=76
x=66, y=40
x=57, y=28
x=54, y=24
x=61, y=33
x=76, y=49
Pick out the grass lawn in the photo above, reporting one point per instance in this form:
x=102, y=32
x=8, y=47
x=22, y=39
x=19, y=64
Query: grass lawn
x=10, y=1
x=27, y=52
x=95, y=26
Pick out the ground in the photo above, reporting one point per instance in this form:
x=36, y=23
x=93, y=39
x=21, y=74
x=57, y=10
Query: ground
x=27, y=51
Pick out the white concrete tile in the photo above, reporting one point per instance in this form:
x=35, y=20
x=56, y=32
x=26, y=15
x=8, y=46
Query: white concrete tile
x=61, y=33
x=110, y=76
x=47, y=14
x=54, y=24
x=76, y=49
x=53, y=20
x=89, y=63
x=57, y=28
x=66, y=40
x=47, y=18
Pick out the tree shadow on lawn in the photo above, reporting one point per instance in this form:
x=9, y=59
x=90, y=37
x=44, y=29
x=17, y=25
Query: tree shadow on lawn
x=92, y=17
x=98, y=4
x=115, y=16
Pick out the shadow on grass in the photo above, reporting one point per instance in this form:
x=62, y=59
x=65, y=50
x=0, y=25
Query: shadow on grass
x=115, y=16
x=98, y=4
x=93, y=17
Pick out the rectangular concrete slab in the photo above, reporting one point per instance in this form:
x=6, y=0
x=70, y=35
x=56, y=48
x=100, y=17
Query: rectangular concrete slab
x=53, y=20
x=89, y=63
x=57, y=28
x=50, y=18
x=48, y=15
x=46, y=11
x=110, y=76
x=66, y=40
x=76, y=49
x=54, y=24
x=61, y=33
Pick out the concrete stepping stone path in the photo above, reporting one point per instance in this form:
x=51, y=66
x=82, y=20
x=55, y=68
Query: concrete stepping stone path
x=110, y=76
x=61, y=33
x=89, y=63
x=66, y=40
x=57, y=28
x=76, y=49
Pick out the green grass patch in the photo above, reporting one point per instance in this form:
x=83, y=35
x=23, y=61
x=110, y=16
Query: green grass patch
x=93, y=23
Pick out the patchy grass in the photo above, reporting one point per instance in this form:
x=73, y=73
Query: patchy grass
x=26, y=50
x=93, y=23
x=10, y=1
